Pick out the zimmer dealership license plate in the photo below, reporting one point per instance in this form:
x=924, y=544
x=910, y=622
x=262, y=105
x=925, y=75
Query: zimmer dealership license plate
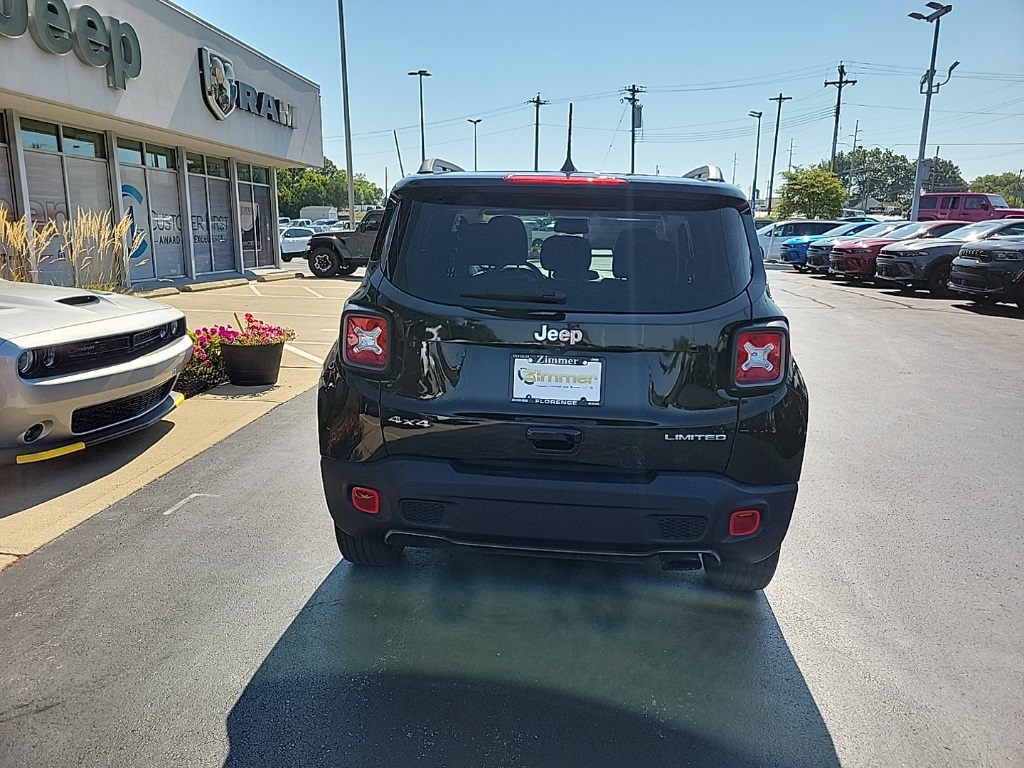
x=551, y=380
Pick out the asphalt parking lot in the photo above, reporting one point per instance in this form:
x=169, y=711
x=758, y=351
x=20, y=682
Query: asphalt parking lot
x=224, y=631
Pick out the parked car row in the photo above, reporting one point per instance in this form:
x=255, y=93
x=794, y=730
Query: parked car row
x=982, y=260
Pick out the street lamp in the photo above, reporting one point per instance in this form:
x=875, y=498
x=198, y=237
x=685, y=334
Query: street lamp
x=475, y=124
x=757, y=152
x=928, y=87
x=421, y=73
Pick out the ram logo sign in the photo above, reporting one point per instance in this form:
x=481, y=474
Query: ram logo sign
x=223, y=92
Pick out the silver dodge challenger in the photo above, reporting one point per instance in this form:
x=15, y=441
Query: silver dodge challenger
x=80, y=367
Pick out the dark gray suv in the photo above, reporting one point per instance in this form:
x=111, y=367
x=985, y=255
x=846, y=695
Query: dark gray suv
x=914, y=264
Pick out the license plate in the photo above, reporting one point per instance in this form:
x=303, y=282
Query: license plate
x=551, y=380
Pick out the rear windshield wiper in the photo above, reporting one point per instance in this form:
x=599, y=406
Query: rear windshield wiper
x=540, y=297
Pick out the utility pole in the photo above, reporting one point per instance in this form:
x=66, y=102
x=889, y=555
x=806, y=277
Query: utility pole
x=537, y=102
x=841, y=83
x=735, y=159
x=398, y=150
x=928, y=88
x=632, y=92
x=775, y=150
x=791, y=155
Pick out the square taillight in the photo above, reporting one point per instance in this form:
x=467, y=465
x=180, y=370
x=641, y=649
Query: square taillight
x=365, y=343
x=760, y=357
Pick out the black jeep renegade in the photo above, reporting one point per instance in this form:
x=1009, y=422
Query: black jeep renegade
x=565, y=365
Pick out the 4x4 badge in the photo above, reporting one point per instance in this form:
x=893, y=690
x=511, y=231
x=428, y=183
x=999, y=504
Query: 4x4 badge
x=570, y=335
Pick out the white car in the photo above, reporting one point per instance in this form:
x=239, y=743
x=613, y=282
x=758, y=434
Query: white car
x=80, y=367
x=771, y=236
x=294, y=242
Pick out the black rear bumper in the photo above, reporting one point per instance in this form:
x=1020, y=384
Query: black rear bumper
x=429, y=502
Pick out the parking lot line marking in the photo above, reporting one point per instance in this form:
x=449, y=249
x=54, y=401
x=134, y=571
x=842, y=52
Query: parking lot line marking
x=254, y=289
x=318, y=295
x=187, y=499
x=304, y=354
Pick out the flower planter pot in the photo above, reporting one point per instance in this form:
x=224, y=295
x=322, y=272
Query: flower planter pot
x=252, y=366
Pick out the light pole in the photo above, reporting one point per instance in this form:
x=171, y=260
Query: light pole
x=421, y=73
x=348, y=127
x=757, y=153
x=475, y=124
x=928, y=88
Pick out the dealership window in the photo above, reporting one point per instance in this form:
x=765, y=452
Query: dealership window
x=66, y=170
x=149, y=191
x=257, y=218
x=209, y=192
x=7, y=208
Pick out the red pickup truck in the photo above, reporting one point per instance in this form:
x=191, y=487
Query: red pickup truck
x=965, y=206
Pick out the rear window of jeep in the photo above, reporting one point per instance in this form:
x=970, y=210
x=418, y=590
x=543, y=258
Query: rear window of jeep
x=636, y=256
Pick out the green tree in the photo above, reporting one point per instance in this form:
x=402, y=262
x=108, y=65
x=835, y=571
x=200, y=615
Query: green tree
x=1010, y=185
x=299, y=187
x=943, y=176
x=814, y=192
x=876, y=172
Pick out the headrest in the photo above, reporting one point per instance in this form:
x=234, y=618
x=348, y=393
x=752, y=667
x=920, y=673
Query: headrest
x=514, y=243
x=479, y=244
x=572, y=226
x=626, y=246
x=566, y=256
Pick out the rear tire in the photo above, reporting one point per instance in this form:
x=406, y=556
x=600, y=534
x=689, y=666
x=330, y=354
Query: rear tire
x=323, y=262
x=286, y=257
x=742, y=577
x=348, y=269
x=369, y=552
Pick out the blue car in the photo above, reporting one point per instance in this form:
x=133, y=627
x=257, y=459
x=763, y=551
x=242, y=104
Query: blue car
x=794, y=250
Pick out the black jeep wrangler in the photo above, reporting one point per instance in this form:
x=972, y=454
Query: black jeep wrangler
x=339, y=252
x=627, y=398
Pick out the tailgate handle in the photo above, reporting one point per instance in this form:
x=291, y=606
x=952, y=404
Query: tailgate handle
x=554, y=438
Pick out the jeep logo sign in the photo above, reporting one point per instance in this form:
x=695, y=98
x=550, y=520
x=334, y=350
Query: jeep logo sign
x=98, y=41
x=223, y=92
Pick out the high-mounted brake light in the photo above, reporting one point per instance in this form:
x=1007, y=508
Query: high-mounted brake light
x=760, y=357
x=564, y=178
x=365, y=341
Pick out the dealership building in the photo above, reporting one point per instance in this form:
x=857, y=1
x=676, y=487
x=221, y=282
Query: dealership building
x=140, y=108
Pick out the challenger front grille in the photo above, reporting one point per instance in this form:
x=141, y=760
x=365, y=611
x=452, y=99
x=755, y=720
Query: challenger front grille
x=94, y=417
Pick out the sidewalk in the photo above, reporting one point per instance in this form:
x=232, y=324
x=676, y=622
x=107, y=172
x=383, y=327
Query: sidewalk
x=42, y=501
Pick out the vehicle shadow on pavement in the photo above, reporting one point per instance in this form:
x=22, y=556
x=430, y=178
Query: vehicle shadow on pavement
x=23, y=486
x=993, y=310
x=461, y=660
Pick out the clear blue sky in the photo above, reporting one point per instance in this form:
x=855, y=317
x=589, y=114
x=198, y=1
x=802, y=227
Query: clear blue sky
x=705, y=64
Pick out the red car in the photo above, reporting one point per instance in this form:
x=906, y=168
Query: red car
x=856, y=258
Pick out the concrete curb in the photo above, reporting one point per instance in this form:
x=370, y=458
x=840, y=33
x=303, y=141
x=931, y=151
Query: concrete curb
x=157, y=293
x=214, y=285
x=270, y=277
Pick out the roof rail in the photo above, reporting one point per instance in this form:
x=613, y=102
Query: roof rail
x=437, y=165
x=706, y=173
